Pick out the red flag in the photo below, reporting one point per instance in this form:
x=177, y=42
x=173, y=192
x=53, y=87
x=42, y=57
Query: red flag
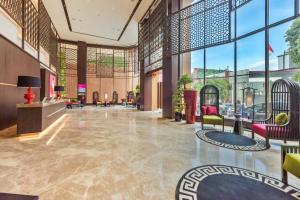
x=270, y=49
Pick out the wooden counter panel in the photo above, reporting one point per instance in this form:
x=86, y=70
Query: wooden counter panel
x=36, y=119
x=52, y=113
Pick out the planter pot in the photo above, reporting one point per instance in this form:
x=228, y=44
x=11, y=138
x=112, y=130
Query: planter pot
x=190, y=99
x=178, y=117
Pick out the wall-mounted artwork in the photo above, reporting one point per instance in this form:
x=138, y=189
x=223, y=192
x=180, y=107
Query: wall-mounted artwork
x=52, y=83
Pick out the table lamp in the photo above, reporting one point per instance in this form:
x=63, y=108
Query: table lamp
x=59, y=89
x=30, y=82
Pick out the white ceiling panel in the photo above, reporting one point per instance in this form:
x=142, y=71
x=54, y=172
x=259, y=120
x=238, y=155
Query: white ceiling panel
x=98, y=21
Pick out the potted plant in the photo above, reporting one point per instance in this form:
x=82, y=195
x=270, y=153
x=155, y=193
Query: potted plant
x=178, y=103
x=137, y=97
x=185, y=80
x=190, y=98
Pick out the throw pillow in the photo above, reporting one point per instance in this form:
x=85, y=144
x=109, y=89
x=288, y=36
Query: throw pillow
x=281, y=119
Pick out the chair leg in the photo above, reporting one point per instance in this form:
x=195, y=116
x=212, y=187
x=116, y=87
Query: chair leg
x=202, y=126
x=252, y=134
x=284, y=176
x=267, y=143
x=223, y=126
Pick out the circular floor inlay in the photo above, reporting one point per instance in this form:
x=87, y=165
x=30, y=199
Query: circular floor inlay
x=231, y=140
x=231, y=183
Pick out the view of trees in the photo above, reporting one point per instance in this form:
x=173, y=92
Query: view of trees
x=222, y=84
x=293, y=40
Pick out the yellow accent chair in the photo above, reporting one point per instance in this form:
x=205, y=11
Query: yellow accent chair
x=290, y=161
x=209, y=106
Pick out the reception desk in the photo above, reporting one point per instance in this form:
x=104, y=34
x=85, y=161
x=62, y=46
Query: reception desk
x=36, y=117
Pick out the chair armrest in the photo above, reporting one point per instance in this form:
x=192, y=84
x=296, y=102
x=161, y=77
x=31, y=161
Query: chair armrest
x=221, y=116
x=261, y=121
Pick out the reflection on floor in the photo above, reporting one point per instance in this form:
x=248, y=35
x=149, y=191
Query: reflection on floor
x=114, y=153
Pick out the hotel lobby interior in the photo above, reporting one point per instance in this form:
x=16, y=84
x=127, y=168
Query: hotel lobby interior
x=149, y=99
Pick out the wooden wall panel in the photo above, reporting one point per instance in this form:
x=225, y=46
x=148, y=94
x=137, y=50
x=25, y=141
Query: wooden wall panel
x=148, y=93
x=14, y=62
x=121, y=87
x=45, y=84
x=107, y=86
x=81, y=62
x=93, y=84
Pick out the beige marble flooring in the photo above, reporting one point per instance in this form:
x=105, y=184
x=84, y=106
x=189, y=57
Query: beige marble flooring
x=115, y=154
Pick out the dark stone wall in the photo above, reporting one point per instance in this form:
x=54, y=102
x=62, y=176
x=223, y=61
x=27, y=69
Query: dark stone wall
x=14, y=62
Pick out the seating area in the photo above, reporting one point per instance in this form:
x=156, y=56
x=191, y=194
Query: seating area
x=150, y=99
x=209, y=104
x=283, y=123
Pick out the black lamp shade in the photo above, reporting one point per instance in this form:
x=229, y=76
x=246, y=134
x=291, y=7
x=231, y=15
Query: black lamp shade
x=29, y=81
x=59, y=88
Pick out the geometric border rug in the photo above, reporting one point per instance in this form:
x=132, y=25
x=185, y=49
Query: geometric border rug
x=209, y=181
x=258, y=144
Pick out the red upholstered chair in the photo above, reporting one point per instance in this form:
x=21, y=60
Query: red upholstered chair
x=209, y=106
x=284, y=99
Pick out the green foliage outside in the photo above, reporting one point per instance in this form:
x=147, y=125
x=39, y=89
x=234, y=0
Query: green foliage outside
x=222, y=84
x=107, y=60
x=209, y=72
x=62, y=72
x=292, y=37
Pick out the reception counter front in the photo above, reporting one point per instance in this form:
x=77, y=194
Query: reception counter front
x=36, y=117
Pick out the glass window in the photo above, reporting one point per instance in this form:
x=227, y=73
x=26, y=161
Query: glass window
x=220, y=72
x=251, y=73
x=284, y=60
x=281, y=9
x=197, y=72
x=250, y=17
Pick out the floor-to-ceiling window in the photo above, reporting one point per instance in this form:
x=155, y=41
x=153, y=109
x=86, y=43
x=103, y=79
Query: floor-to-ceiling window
x=262, y=47
x=251, y=73
x=220, y=72
x=197, y=72
x=250, y=17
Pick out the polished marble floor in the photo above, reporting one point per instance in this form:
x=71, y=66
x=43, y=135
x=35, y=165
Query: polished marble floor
x=115, y=154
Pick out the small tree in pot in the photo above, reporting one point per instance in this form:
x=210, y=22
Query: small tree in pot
x=185, y=80
x=137, y=97
x=178, y=103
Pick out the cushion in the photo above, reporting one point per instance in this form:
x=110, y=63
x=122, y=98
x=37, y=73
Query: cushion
x=259, y=129
x=212, y=110
x=203, y=110
x=281, y=119
x=292, y=164
x=212, y=119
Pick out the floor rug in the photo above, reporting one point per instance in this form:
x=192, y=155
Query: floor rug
x=231, y=183
x=231, y=140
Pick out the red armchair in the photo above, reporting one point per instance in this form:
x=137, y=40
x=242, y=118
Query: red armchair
x=284, y=99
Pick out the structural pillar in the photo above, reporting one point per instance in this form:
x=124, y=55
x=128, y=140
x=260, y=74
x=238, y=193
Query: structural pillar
x=82, y=66
x=170, y=67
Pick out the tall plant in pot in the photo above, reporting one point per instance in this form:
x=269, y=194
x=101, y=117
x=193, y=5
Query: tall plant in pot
x=137, y=94
x=178, y=103
x=190, y=98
